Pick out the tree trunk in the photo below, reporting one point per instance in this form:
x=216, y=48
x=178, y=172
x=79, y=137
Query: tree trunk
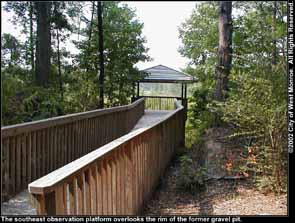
x=89, y=36
x=59, y=67
x=31, y=38
x=101, y=58
x=224, y=50
x=43, y=46
x=274, y=42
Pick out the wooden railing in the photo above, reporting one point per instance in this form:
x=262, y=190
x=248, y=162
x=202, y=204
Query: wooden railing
x=115, y=179
x=159, y=102
x=31, y=150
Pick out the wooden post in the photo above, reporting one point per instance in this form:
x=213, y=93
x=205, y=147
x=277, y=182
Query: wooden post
x=45, y=204
x=133, y=93
x=181, y=91
x=138, y=89
x=184, y=104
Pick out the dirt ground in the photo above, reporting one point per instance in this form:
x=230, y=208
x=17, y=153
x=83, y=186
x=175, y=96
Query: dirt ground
x=222, y=197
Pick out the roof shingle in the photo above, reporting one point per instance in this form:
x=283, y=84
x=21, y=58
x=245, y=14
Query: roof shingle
x=163, y=74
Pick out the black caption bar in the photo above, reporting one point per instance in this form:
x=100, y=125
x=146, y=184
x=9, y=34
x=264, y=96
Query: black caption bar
x=188, y=219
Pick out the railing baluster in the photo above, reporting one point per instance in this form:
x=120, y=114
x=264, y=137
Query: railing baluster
x=113, y=162
x=61, y=202
x=12, y=164
x=93, y=189
x=109, y=185
x=72, y=197
x=99, y=190
x=5, y=168
x=80, y=195
x=104, y=188
x=18, y=164
x=43, y=153
x=116, y=178
x=87, y=192
x=123, y=180
x=29, y=160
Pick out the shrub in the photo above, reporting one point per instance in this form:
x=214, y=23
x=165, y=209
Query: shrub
x=191, y=178
x=257, y=114
x=199, y=116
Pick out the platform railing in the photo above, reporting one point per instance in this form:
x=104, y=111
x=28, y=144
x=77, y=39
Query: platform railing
x=159, y=102
x=31, y=150
x=115, y=179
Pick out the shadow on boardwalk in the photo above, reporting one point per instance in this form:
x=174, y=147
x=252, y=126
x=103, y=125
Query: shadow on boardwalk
x=19, y=205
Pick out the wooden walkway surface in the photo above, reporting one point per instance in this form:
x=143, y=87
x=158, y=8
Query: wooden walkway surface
x=20, y=204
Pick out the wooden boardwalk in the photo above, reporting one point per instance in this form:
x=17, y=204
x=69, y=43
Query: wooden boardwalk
x=20, y=204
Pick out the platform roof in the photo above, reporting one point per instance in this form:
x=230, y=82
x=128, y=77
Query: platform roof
x=164, y=74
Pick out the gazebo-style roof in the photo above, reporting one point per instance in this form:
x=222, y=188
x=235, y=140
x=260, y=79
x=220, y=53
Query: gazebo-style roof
x=163, y=74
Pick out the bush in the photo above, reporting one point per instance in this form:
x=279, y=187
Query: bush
x=199, y=116
x=191, y=178
x=23, y=101
x=257, y=114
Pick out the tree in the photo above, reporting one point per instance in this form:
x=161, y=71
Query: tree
x=274, y=54
x=101, y=56
x=59, y=23
x=11, y=47
x=199, y=35
x=90, y=33
x=224, y=50
x=123, y=47
x=32, y=44
x=69, y=88
x=255, y=104
x=24, y=14
x=43, y=43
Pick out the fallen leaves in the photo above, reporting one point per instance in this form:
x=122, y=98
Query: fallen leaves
x=222, y=197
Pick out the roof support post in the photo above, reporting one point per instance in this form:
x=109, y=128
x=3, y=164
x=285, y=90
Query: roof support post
x=137, y=89
x=181, y=90
x=184, y=100
x=133, y=98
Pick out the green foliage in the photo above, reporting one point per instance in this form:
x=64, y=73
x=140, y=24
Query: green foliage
x=199, y=33
x=79, y=98
x=24, y=16
x=191, y=178
x=199, y=116
x=11, y=50
x=264, y=122
x=256, y=106
x=22, y=101
x=11, y=100
x=42, y=103
x=123, y=44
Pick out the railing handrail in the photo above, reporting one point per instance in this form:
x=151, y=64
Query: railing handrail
x=47, y=183
x=177, y=103
x=59, y=120
x=152, y=96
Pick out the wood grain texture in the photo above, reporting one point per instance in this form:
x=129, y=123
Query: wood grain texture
x=120, y=176
x=40, y=147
